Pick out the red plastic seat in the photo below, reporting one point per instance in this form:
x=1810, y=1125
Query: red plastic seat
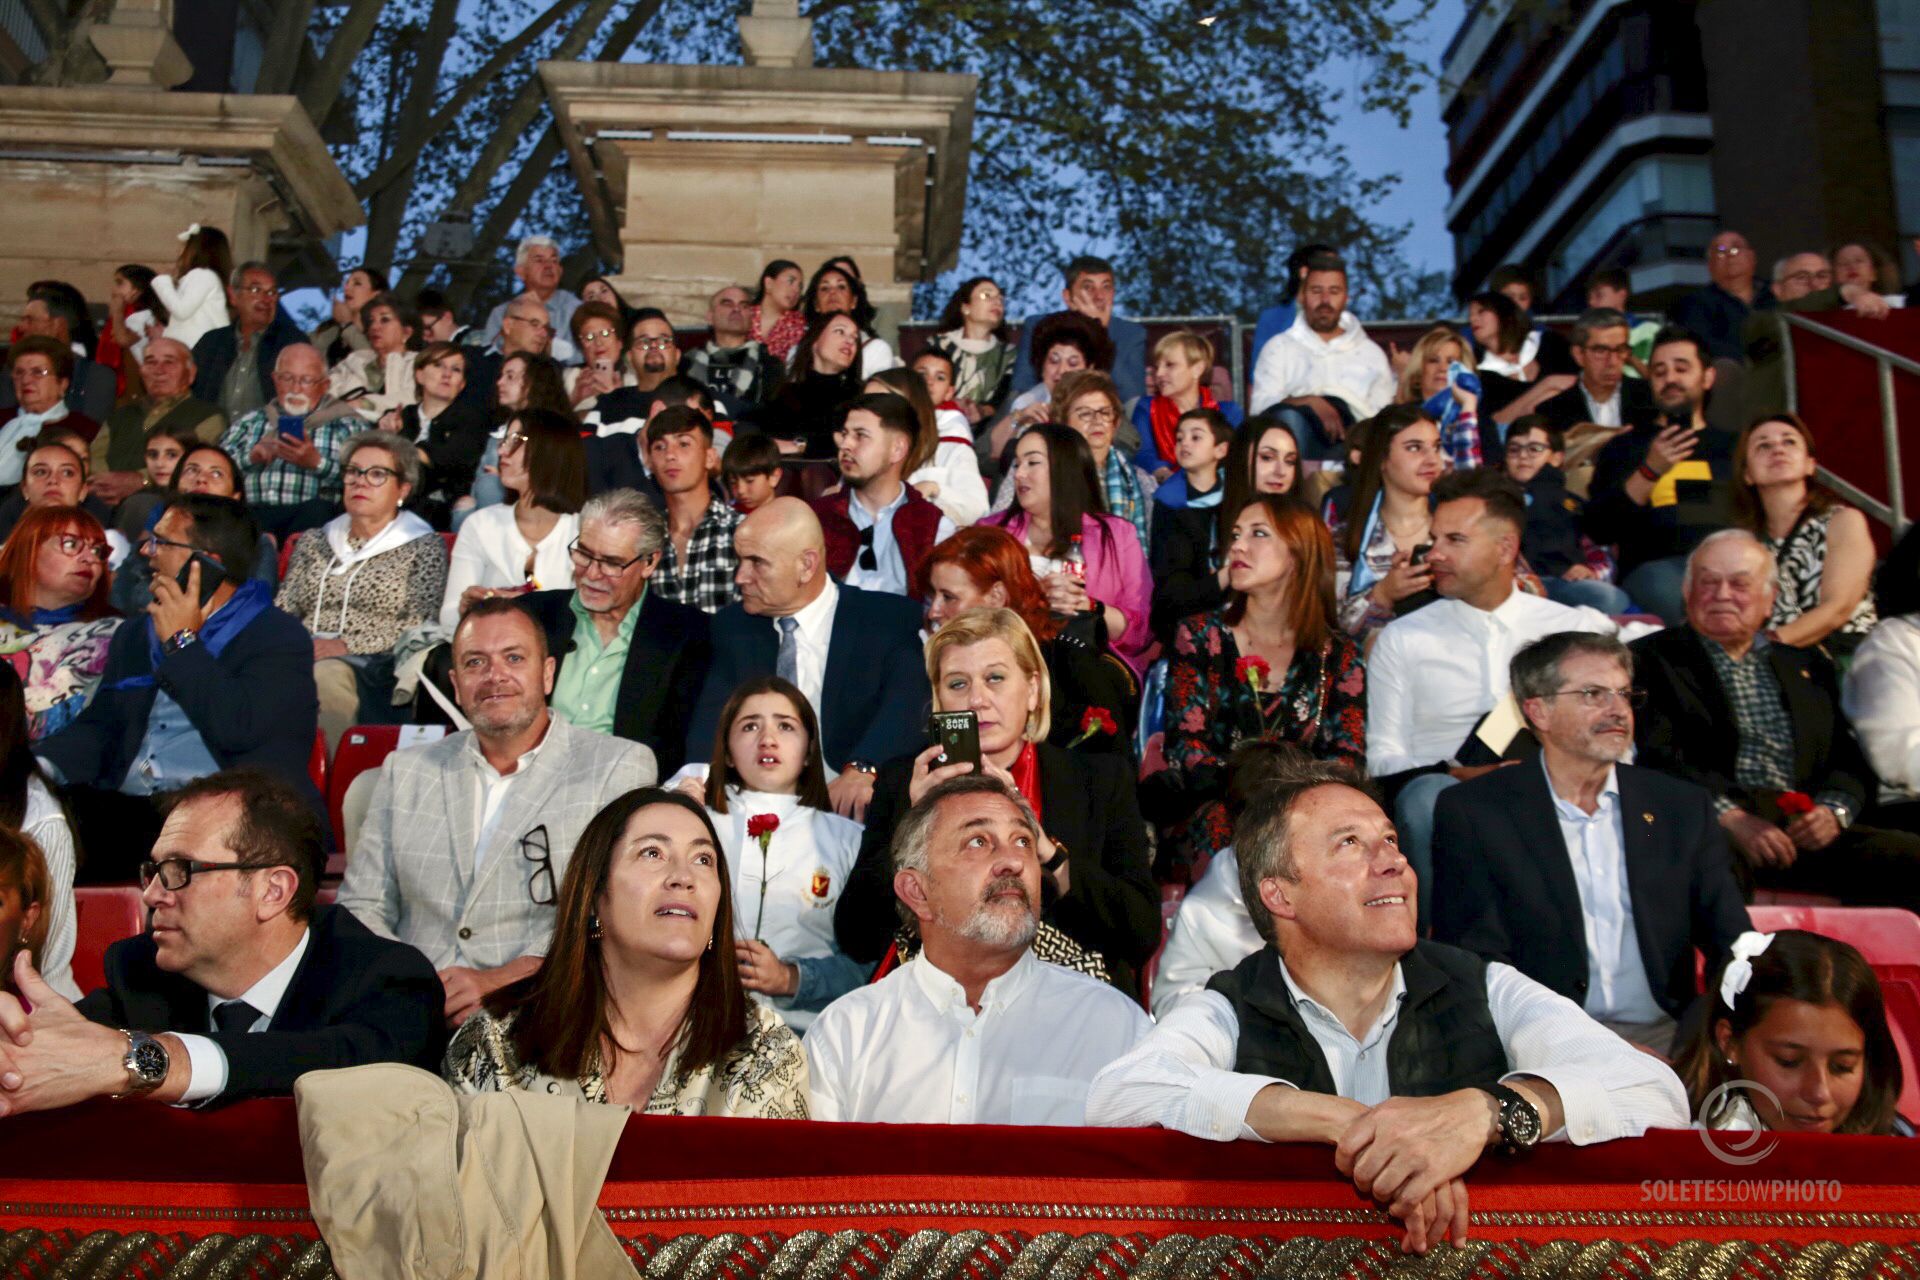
x=364, y=747
x=449, y=539
x=1170, y=896
x=1884, y=935
x=103, y=915
x=286, y=553
x=317, y=762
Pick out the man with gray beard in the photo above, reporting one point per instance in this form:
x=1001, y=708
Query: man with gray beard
x=975, y=1029
x=289, y=452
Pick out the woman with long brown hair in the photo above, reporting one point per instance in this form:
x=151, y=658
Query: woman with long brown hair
x=639, y=1002
x=1387, y=521
x=1270, y=664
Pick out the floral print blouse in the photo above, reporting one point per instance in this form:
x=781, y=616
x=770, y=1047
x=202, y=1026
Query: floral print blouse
x=60, y=667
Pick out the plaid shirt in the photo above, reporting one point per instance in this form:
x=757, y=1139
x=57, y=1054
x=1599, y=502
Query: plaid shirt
x=706, y=580
x=1764, y=760
x=742, y=377
x=1130, y=494
x=281, y=484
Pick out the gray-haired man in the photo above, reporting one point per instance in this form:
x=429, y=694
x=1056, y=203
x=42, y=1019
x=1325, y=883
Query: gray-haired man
x=537, y=264
x=631, y=661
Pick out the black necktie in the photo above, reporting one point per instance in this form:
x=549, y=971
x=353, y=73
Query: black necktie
x=236, y=1017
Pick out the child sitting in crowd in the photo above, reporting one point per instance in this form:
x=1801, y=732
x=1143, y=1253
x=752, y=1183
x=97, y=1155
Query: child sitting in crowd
x=1200, y=441
x=1573, y=570
x=750, y=472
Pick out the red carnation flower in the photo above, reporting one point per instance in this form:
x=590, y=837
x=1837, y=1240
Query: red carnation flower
x=1095, y=720
x=1253, y=671
x=761, y=827
x=1795, y=803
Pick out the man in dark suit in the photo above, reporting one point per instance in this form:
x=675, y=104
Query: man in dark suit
x=1595, y=878
x=241, y=986
x=214, y=677
x=1759, y=725
x=855, y=654
x=1602, y=345
x=631, y=662
x=259, y=333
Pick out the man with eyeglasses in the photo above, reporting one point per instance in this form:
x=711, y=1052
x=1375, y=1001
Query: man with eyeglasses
x=736, y=367
x=1603, y=395
x=119, y=451
x=214, y=677
x=234, y=365
x=289, y=452
x=466, y=839
x=1434, y=674
x=878, y=527
x=524, y=325
x=537, y=265
x=631, y=660
x=1718, y=310
x=1603, y=880
x=241, y=985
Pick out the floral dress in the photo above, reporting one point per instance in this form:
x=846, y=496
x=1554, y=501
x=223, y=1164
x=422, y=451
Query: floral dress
x=785, y=334
x=60, y=666
x=1319, y=705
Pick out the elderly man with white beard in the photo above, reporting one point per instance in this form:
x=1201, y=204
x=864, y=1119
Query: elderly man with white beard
x=289, y=452
x=975, y=1029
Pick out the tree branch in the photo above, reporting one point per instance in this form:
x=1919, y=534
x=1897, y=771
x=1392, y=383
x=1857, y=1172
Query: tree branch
x=387, y=211
x=322, y=89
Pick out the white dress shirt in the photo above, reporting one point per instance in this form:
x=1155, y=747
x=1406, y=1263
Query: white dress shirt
x=813, y=637
x=1606, y=412
x=909, y=1050
x=490, y=793
x=1181, y=1076
x=1617, y=987
x=1882, y=699
x=207, y=1061
x=1432, y=674
x=890, y=566
x=1211, y=932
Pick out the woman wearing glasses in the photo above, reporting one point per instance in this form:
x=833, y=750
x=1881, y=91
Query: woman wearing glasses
x=521, y=545
x=640, y=1001
x=56, y=622
x=363, y=580
x=596, y=335
x=450, y=433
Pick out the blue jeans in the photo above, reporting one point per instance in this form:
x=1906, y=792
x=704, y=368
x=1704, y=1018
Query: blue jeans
x=1590, y=592
x=1413, y=815
x=1655, y=587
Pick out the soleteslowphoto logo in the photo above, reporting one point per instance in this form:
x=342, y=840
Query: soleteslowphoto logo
x=1742, y=1148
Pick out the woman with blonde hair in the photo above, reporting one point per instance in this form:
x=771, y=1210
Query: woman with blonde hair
x=1093, y=846
x=1440, y=377
x=1181, y=362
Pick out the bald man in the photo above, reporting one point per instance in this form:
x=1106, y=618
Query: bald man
x=855, y=654
x=119, y=452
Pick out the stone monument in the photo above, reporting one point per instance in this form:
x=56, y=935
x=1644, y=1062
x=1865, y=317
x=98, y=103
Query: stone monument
x=695, y=177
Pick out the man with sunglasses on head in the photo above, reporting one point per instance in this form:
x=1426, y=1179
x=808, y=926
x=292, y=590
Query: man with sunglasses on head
x=243, y=983
x=630, y=660
x=466, y=839
x=214, y=677
x=877, y=526
x=1594, y=877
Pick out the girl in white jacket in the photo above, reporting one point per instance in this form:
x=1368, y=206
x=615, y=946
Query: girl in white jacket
x=195, y=295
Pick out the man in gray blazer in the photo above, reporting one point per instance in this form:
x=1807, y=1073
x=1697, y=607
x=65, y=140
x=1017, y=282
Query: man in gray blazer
x=467, y=839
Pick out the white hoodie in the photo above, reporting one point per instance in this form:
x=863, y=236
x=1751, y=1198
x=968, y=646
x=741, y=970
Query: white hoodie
x=1298, y=362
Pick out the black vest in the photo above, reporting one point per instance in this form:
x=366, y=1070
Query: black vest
x=127, y=434
x=1444, y=1039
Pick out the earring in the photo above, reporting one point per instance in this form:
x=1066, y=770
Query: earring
x=709, y=942
x=593, y=928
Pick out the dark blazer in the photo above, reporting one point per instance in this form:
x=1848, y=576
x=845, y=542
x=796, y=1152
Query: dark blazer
x=356, y=998
x=1504, y=885
x=1569, y=408
x=613, y=462
x=254, y=705
x=1687, y=727
x=667, y=663
x=217, y=349
x=1088, y=804
x=874, y=695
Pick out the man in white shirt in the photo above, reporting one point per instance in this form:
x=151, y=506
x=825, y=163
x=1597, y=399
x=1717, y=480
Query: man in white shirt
x=241, y=985
x=467, y=839
x=1606, y=882
x=1323, y=373
x=1434, y=673
x=878, y=528
x=1411, y=1058
x=975, y=1029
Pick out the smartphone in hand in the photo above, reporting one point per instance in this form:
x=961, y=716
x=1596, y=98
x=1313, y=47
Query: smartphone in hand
x=957, y=734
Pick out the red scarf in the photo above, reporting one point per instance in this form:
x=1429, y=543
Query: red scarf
x=1165, y=418
x=1026, y=777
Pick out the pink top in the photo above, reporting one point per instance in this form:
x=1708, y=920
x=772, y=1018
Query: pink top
x=1116, y=574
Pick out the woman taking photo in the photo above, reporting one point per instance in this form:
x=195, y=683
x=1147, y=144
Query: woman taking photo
x=1268, y=665
x=379, y=379
x=1823, y=553
x=975, y=336
x=1086, y=560
x=57, y=622
x=449, y=433
x=1181, y=362
x=777, y=321
x=801, y=416
x=942, y=468
x=29, y=806
x=639, y=1003
x=342, y=333
x=983, y=567
x=1801, y=1017
x=836, y=289
x=1097, y=888
x=518, y=546
x=599, y=339
x=788, y=852
x=363, y=580
x=1189, y=544
x=1377, y=537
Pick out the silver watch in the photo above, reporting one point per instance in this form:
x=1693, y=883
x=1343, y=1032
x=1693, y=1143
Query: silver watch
x=1841, y=812
x=146, y=1063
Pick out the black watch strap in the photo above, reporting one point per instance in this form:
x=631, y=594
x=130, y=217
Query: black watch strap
x=1519, y=1120
x=1053, y=864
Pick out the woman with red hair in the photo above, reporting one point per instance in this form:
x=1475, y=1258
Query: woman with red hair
x=983, y=566
x=1270, y=664
x=55, y=622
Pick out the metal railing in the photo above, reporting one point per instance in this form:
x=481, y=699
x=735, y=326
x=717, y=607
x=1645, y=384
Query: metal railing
x=1892, y=513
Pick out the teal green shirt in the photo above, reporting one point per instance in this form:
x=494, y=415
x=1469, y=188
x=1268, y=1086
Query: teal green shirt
x=589, y=681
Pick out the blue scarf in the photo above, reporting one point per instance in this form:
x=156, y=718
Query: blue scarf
x=40, y=618
x=1442, y=407
x=1362, y=576
x=249, y=601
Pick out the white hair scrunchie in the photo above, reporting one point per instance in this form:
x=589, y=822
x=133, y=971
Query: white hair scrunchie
x=1739, y=970
x=193, y=229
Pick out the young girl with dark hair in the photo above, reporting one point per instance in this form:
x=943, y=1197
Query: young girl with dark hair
x=195, y=295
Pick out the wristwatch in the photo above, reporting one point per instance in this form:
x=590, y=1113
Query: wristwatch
x=1052, y=864
x=1519, y=1120
x=181, y=639
x=1843, y=814
x=862, y=766
x=146, y=1063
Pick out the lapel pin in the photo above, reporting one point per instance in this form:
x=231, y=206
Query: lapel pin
x=1648, y=818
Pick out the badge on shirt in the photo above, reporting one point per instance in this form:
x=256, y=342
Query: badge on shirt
x=819, y=887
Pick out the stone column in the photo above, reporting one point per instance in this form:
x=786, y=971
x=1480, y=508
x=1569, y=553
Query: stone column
x=138, y=45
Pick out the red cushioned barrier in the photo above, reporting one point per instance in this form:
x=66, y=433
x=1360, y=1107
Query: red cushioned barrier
x=1840, y=399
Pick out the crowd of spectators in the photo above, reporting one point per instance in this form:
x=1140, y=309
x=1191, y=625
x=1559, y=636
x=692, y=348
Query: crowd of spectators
x=821, y=729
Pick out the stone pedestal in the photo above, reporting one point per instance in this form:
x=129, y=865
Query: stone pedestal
x=695, y=177
x=101, y=175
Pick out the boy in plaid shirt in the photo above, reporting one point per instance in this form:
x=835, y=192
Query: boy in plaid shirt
x=697, y=564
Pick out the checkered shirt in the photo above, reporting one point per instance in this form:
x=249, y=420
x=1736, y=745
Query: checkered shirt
x=706, y=579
